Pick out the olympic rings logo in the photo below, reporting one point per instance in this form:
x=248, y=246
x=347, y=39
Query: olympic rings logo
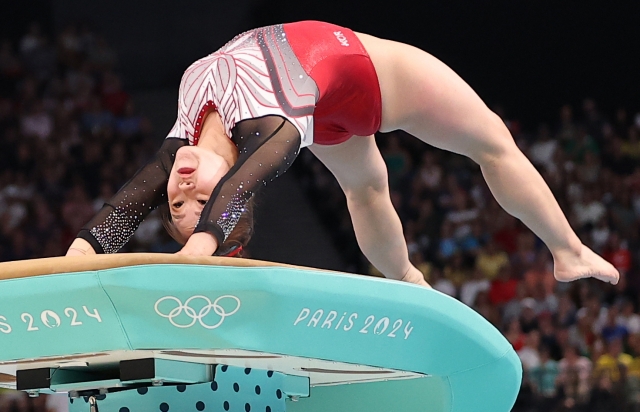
x=197, y=316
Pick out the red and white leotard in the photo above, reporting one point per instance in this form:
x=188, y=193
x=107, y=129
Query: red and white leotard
x=277, y=89
x=305, y=72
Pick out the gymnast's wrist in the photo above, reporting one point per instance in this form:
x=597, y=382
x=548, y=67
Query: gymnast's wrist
x=80, y=247
x=211, y=229
x=90, y=239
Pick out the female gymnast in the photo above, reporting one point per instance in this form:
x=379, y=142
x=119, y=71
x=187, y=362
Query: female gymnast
x=245, y=111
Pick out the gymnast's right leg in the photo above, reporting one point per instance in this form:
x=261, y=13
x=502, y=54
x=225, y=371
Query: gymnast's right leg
x=424, y=97
x=362, y=174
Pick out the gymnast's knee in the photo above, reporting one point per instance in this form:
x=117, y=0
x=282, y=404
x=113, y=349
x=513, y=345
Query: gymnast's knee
x=496, y=144
x=368, y=186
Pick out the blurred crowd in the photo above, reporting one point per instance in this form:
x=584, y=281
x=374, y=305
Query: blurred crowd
x=70, y=135
x=579, y=342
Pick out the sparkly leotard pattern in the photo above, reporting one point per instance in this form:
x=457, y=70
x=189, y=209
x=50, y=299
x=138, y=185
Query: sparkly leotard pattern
x=272, y=102
x=256, y=74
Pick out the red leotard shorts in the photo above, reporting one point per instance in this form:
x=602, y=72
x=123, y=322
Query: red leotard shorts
x=349, y=102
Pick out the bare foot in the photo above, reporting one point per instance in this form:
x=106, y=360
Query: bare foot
x=415, y=276
x=568, y=266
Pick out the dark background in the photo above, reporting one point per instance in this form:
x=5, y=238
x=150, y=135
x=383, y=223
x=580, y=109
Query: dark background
x=530, y=57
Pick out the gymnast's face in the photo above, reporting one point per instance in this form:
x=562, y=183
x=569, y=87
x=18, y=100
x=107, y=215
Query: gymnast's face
x=195, y=173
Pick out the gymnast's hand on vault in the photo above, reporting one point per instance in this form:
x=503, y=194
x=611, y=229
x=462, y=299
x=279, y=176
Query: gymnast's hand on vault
x=199, y=244
x=80, y=247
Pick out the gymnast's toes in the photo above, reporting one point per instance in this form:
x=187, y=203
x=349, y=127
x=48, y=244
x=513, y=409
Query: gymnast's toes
x=570, y=266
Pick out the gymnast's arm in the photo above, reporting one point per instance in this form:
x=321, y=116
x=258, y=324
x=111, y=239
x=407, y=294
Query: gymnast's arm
x=115, y=223
x=266, y=148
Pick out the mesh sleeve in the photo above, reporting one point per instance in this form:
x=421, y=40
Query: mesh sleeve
x=110, y=229
x=266, y=148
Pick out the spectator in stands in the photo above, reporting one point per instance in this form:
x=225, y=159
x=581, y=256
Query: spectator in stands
x=462, y=215
x=588, y=171
x=10, y=65
x=528, y=316
x=470, y=289
x=514, y=335
x=96, y=118
x=548, y=334
x=442, y=284
x=600, y=234
x=588, y=208
x=573, y=381
x=613, y=364
x=503, y=287
x=507, y=231
x=524, y=256
x=633, y=375
x=114, y=98
x=455, y=270
x=529, y=354
x=397, y=159
x=618, y=254
x=447, y=246
x=428, y=223
x=101, y=55
x=630, y=147
x=623, y=216
x=540, y=274
x=613, y=330
x=430, y=173
x=543, y=150
x=36, y=121
x=565, y=316
x=628, y=318
x=543, y=379
x=491, y=260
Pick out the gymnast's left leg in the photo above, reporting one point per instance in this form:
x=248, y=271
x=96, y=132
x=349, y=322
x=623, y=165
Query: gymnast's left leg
x=362, y=174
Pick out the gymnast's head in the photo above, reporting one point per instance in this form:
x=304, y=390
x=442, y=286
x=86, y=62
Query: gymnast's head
x=195, y=173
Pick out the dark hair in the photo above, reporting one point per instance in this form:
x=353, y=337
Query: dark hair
x=236, y=241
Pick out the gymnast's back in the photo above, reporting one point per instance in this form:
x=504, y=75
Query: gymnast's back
x=266, y=102
x=258, y=117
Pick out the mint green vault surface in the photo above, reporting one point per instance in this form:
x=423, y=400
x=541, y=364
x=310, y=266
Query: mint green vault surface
x=338, y=342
